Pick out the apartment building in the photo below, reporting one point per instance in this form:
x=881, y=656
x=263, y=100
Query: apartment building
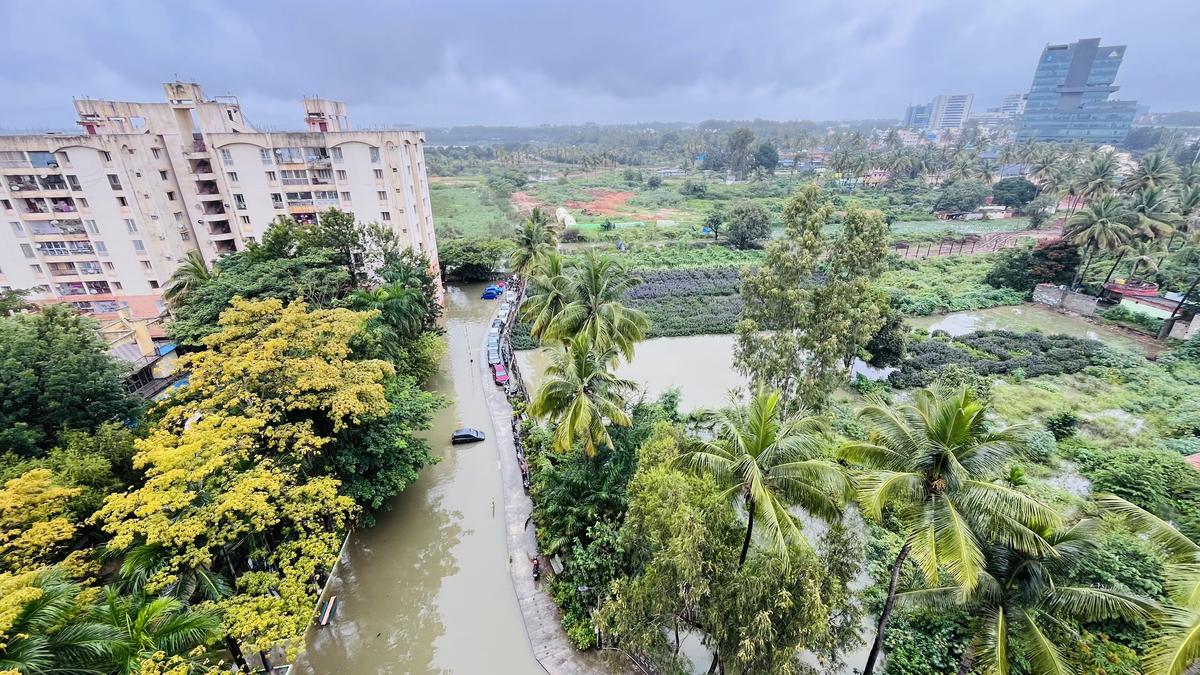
x=101, y=219
x=950, y=111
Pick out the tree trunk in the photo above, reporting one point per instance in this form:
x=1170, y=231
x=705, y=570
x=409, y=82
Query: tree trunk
x=235, y=651
x=676, y=636
x=1185, y=297
x=749, y=530
x=1114, y=268
x=1079, y=273
x=968, y=659
x=877, y=645
x=712, y=668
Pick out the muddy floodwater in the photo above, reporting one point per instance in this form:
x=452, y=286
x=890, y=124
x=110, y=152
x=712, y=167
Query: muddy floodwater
x=427, y=589
x=1024, y=318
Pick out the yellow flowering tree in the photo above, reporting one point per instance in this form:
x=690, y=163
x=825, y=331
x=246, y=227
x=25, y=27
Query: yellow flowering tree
x=34, y=527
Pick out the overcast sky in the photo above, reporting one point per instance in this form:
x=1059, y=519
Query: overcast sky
x=445, y=62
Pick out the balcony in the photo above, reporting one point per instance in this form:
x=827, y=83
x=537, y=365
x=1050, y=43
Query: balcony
x=201, y=167
x=62, y=205
x=89, y=269
x=213, y=208
x=327, y=202
x=71, y=288
x=225, y=246
x=53, y=182
x=35, y=206
x=57, y=228
x=318, y=162
x=62, y=269
x=196, y=147
x=22, y=183
x=219, y=228
x=295, y=181
x=97, y=287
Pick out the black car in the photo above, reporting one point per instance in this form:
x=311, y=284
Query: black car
x=466, y=435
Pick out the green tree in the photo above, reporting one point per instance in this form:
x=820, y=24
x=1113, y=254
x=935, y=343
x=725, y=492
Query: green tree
x=715, y=220
x=767, y=461
x=142, y=626
x=748, y=221
x=1155, y=170
x=1104, y=225
x=337, y=231
x=929, y=464
x=401, y=309
x=739, y=150
x=472, y=259
x=581, y=396
x=805, y=317
x=12, y=300
x=191, y=274
x=1040, y=210
x=1098, y=176
x=1013, y=192
x=962, y=195
x=55, y=374
x=548, y=292
x=766, y=157
x=39, y=627
x=1156, y=213
x=1023, y=599
x=594, y=307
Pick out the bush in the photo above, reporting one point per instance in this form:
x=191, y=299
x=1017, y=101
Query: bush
x=521, y=339
x=1041, y=445
x=949, y=284
x=1062, y=424
x=1137, y=320
x=693, y=188
x=990, y=353
x=654, y=182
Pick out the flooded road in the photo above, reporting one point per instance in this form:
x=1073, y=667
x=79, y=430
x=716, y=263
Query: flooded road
x=427, y=590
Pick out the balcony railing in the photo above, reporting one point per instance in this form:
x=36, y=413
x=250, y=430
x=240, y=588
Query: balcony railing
x=327, y=202
x=35, y=207
x=19, y=183
x=294, y=181
x=71, y=289
x=73, y=227
x=195, y=146
x=53, y=183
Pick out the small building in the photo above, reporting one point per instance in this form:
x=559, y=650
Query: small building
x=674, y=172
x=142, y=343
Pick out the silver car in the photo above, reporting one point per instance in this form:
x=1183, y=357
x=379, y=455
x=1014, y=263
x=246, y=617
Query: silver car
x=493, y=357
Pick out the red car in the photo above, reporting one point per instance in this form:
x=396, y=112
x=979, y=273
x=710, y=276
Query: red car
x=499, y=373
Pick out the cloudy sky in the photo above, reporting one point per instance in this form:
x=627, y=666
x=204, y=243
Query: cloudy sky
x=445, y=62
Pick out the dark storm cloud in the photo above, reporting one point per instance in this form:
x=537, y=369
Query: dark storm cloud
x=524, y=62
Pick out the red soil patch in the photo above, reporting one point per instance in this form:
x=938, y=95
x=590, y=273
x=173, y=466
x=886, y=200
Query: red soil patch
x=525, y=202
x=603, y=203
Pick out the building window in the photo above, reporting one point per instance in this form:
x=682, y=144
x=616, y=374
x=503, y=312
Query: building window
x=106, y=155
x=121, y=201
x=271, y=176
x=131, y=225
x=139, y=247
x=83, y=203
x=6, y=204
x=17, y=229
x=374, y=155
x=162, y=175
x=336, y=154
x=27, y=250
x=341, y=174
x=226, y=156
x=114, y=181
x=239, y=201
x=382, y=196
x=385, y=215
x=117, y=285
x=183, y=235
x=100, y=247
x=277, y=200
x=110, y=267
x=146, y=265
x=170, y=196
x=265, y=155
x=154, y=152
x=91, y=226
x=232, y=176
x=153, y=283
x=378, y=174
x=37, y=269
x=245, y=220
x=179, y=217
x=73, y=182
x=346, y=197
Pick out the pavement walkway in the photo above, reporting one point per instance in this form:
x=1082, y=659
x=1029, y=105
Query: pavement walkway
x=546, y=635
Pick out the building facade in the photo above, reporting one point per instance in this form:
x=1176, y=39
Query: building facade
x=916, y=116
x=101, y=219
x=950, y=111
x=1069, y=98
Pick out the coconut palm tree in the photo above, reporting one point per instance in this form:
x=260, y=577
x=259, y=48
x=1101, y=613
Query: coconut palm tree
x=401, y=308
x=1175, y=648
x=581, y=397
x=141, y=563
x=1146, y=254
x=1019, y=604
x=534, y=240
x=930, y=464
x=767, y=461
x=1155, y=211
x=145, y=625
x=42, y=632
x=1154, y=171
x=548, y=292
x=986, y=171
x=1103, y=225
x=1098, y=176
x=595, y=309
x=190, y=275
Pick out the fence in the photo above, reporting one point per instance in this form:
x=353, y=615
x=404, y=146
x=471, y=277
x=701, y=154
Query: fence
x=944, y=248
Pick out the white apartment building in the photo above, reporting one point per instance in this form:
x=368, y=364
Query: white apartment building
x=101, y=219
x=950, y=111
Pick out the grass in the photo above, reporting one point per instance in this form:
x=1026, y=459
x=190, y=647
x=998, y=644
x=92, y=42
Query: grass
x=949, y=284
x=465, y=208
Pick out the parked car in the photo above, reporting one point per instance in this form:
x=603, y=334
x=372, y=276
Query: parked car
x=493, y=343
x=491, y=293
x=466, y=435
x=510, y=296
x=497, y=324
x=494, y=333
x=493, y=356
x=499, y=373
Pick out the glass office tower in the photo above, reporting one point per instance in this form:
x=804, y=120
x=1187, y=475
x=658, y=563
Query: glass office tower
x=1069, y=97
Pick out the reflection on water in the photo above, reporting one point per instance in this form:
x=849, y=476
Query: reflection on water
x=427, y=590
x=700, y=366
x=1024, y=318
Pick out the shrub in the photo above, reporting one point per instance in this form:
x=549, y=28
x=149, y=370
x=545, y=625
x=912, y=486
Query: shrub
x=693, y=188
x=1138, y=320
x=998, y=352
x=1062, y=424
x=521, y=339
x=1041, y=445
x=654, y=182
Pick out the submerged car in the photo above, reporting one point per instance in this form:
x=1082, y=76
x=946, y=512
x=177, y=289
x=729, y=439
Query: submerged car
x=499, y=373
x=466, y=435
x=491, y=293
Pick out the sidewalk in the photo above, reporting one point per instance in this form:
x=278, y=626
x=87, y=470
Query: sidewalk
x=550, y=645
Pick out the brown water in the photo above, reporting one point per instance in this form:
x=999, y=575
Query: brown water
x=427, y=590
x=1022, y=318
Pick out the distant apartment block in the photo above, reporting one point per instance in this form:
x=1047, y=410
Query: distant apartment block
x=101, y=219
x=950, y=111
x=1014, y=104
x=1069, y=98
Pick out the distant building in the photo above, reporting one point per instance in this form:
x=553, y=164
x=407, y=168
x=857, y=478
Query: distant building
x=917, y=116
x=1068, y=100
x=1014, y=104
x=671, y=173
x=950, y=111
